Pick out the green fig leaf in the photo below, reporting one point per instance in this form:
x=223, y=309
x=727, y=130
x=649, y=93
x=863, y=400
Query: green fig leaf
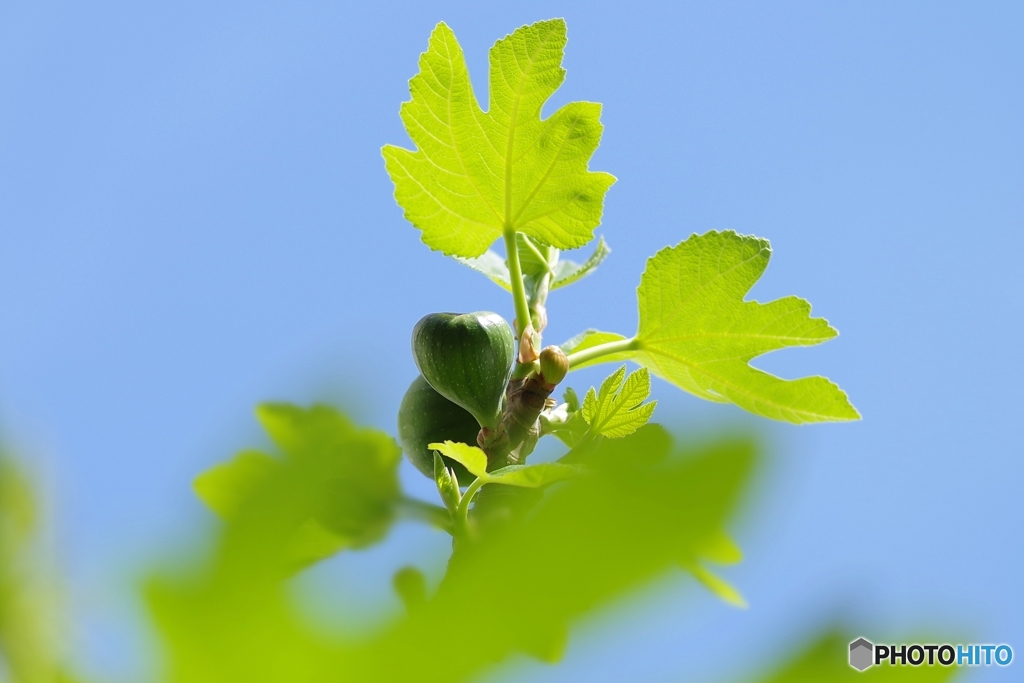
x=226, y=487
x=534, y=476
x=697, y=331
x=348, y=476
x=572, y=401
x=471, y=457
x=476, y=174
x=568, y=272
x=492, y=265
x=716, y=584
x=618, y=409
x=565, y=272
x=588, y=542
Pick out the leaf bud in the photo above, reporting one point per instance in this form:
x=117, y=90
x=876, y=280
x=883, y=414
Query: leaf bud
x=553, y=365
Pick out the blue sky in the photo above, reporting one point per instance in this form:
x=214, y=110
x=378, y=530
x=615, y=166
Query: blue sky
x=194, y=217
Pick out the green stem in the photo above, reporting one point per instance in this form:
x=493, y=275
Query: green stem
x=608, y=348
x=536, y=252
x=463, y=512
x=515, y=270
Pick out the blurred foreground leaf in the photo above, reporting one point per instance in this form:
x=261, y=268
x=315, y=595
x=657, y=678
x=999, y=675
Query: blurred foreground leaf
x=348, y=479
x=589, y=541
x=29, y=635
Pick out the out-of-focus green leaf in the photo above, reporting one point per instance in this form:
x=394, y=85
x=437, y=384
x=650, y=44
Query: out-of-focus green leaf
x=618, y=409
x=411, y=586
x=335, y=486
x=720, y=548
x=226, y=487
x=588, y=542
x=475, y=174
x=716, y=584
x=533, y=476
x=29, y=608
x=562, y=564
x=352, y=475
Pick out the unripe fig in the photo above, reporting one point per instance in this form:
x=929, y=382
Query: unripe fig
x=553, y=364
x=467, y=359
x=426, y=417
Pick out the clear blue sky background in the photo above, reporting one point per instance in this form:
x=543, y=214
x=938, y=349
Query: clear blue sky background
x=194, y=217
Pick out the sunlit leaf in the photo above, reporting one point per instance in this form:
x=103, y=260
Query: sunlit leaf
x=568, y=272
x=618, y=409
x=474, y=173
x=492, y=265
x=471, y=457
x=697, y=331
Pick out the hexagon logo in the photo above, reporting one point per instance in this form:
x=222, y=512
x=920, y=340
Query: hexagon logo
x=861, y=654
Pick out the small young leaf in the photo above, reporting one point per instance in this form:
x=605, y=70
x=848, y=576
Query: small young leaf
x=533, y=476
x=476, y=174
x=572, y=401
x=471, y=457
x=447, y=484
x=614, y=413
x=570, y=431
x=492, y=265
x=568, y=272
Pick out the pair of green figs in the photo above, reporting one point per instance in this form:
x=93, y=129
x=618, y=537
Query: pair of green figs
x=465, y=362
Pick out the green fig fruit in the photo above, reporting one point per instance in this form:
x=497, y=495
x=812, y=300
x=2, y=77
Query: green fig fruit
x=427, y=417
x=467, y=358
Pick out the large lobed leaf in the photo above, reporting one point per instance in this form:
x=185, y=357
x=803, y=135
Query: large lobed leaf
x=697, y=331
x=345, y=481
x=475, y=173
x=589, y=542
